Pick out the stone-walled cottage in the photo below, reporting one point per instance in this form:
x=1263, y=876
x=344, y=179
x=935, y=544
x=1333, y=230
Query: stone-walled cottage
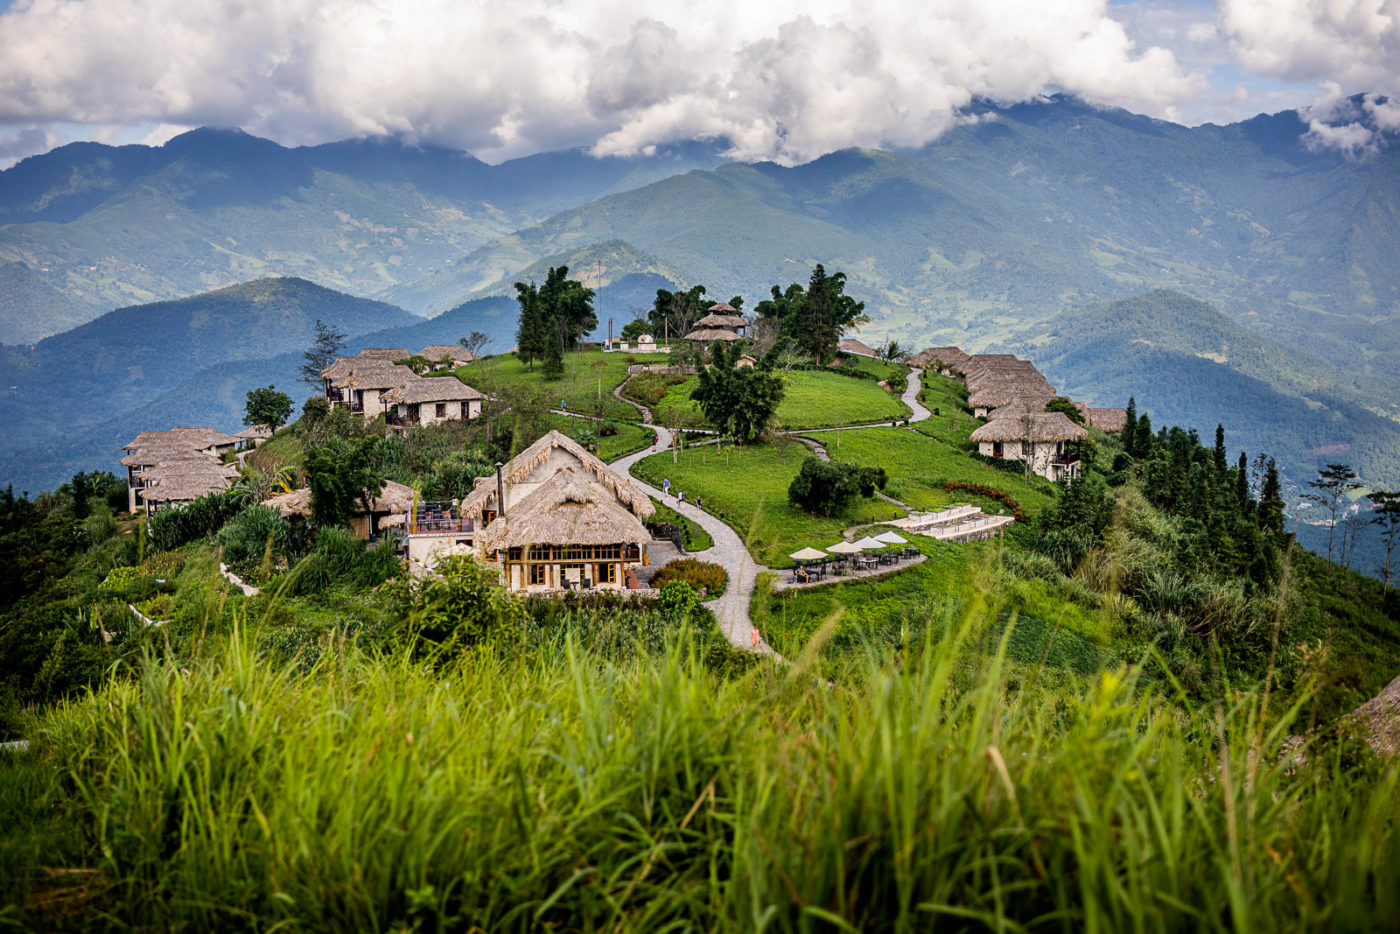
x=1043, y=438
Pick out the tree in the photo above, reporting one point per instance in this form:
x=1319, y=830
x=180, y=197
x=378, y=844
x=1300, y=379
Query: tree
x=554, y=358
x=327, y=342
x=1271, y=500
x=891, y=352
x=532, y=335
x=825, y=488
x=267, y=407
x=1067, y=408
x=673, y=313
x=1387, y=516
x=1128, y=436
x=1219, y=453
x=341, y=475
x=1332, y=485
x=737, y=401
x=634, y=329
x=568, y=305
x=815, y=318
x=474, y=343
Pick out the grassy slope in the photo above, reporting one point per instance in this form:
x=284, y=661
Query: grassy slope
x=747, y=488
x=812, y=400
x=589, y=377
x=917, y=465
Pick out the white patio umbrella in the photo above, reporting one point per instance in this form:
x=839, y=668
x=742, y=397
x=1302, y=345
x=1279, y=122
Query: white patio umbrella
x=870, y=544
x=845, y=548
x=892, y=538
x=808, y=554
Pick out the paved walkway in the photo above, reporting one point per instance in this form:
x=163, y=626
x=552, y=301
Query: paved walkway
x=729, y=551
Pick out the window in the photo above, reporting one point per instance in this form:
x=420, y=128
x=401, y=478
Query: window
x=537, y=573
x=442, y=410
x=487, y=517
x=1027, y=448
x=607, y=574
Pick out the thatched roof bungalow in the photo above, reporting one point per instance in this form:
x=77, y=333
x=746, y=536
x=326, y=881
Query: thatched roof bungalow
x=852, y=347
x=946, y=360
x=722, y=315
x=569, y=521
x=707, y=334
x=430, y=400
x=362, y=388
x=985, y=401
x=185, y=463
x=455, y=354
x=1109, y=420
x=1040, y=439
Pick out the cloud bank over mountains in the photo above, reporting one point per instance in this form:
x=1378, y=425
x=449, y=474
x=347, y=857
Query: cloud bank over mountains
x=780, y=80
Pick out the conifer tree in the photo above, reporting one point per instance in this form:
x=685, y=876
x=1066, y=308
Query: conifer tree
x=554, y=357
x=1128, y=436
x=1142, y=440
x=1271, y=500
x=1332, y=485
x=1388, y=518
x=530, y=336
x=1220, y=456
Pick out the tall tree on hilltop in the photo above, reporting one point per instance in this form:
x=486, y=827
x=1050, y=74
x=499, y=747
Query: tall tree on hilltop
x=327, y=341
x=1387, y=516
x=814, y=318
x=1332, y=485
x=673, y=313
x=568, y=304
x=1128, y=436
x=1219, y=451
x=532, y=334
x=1271, y=500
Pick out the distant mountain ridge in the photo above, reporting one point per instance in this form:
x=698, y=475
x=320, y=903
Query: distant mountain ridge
x=1188, y=364
x=90, y=227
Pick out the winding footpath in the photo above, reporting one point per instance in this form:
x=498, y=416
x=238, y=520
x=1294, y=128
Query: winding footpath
x=731, y=609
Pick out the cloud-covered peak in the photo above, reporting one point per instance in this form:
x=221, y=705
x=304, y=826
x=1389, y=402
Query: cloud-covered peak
x=781, y=80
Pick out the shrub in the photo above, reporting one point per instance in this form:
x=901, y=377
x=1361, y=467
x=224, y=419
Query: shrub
x=255, y=540
x=679, y=601
x=825, y=488
x=702, y=575
x=461, y=607
x=991, y=492
x=650, y=388
x=340, y=558
x=174, y=526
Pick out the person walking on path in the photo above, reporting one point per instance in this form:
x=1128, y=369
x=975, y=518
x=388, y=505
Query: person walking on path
x=654, y=441
x=680, y=498
x=756, y=638
x=699, y=505
x=666, y=485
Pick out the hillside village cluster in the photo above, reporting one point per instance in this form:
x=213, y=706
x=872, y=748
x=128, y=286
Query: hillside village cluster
x=556, y=517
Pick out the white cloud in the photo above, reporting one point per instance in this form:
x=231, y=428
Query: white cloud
x=783, y=79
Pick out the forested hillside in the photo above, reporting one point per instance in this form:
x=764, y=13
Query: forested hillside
x=90, y=227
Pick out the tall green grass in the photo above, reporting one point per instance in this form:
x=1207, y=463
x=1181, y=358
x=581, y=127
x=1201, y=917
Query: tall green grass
x=560, y=788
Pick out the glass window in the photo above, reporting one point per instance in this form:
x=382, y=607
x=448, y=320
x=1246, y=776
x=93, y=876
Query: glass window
x=537, y=573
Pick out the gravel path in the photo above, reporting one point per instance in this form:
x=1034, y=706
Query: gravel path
x=729, y=552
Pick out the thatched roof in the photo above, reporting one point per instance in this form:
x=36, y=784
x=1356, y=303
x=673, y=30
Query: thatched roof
x=255, y=433
x=1000, y=371
x=155, y=456
x=721, y=321
x=432, y=389
x=723, y=308
x=712, y=334
x=1020, y=405
x=194, y=437
x=745, y=361
x=395, y=497
x=1032, y=383
x=377, y=375
x=849, y=345
x=390, y=353
x=186, y=479
x=567, y=509
x=524, y=463
x=1029, y=426
x=1109, y=420
x=455, y=352
x=951, y=357
x=999, y=394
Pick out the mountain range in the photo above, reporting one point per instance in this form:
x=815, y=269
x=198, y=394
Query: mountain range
x=1262, y=273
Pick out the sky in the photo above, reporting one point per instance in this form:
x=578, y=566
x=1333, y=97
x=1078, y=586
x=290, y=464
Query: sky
x=777, y=79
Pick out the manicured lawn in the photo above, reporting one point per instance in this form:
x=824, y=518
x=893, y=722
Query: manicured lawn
x=630, y=436
x=917, y=465
x=588, y=381
x=812, y=400
x=747, y=488
x=876, y=368
x=954, y=422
